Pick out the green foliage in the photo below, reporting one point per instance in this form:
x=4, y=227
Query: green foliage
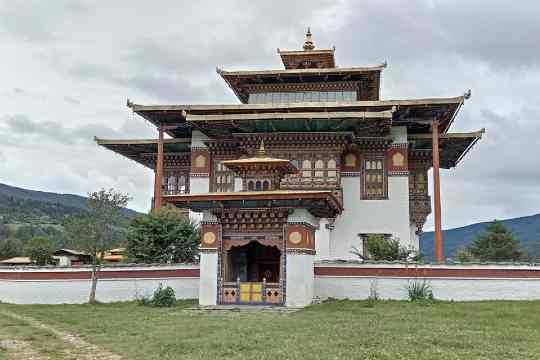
x=4, y=230
x=164, y=236
x=40, y=250
x=10, y=247
x=382, y=248
x=464, y=255
x=419, y=291
x=163, y=297
x=96, y=229
x=497, y=243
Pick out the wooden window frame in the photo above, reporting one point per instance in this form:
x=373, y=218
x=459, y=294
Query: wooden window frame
x=364, y=173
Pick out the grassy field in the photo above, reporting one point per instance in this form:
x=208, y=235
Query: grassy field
x=333, y=330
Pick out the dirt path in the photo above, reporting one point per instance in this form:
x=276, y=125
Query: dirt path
x=21, y=350
x=76, y=348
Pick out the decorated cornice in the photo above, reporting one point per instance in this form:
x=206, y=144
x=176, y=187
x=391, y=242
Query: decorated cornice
x=316, y=86
x=277, y=141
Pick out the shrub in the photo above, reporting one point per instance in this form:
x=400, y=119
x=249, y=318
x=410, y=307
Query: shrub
x=420, y=291
x=163, y=297
x=381, y=248
x=464, y=255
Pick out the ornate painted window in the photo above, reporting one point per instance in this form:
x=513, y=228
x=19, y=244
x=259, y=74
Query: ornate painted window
x=374, y=179
x=175, y=183
x=316, y=170
x=222, y=179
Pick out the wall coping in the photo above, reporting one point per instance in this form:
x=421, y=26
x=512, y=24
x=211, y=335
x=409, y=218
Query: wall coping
x=107, y=268
x=401, y=265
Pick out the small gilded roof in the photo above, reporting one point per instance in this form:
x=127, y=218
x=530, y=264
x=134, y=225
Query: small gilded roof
x=261, y=160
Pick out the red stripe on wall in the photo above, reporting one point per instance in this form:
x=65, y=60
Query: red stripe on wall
x=83, y=275
x=426, y=272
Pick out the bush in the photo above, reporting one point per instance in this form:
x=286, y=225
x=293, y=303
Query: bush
x=381, y=248
x=464, y=255
x=420, y=291
x=163, y=297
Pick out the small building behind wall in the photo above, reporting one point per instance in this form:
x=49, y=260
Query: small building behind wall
x=338, y=162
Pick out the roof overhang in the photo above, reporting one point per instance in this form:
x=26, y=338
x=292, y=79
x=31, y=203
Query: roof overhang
x=143, y=151
x=318, y=203
x=416, y=115
x=452, y=147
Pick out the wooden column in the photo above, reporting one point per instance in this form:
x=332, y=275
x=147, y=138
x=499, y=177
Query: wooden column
x=437, y=192
x=158, y=181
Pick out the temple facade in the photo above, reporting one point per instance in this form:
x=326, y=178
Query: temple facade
x=309, y=164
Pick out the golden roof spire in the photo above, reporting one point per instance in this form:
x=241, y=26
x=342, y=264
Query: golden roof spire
x=262, y=152
x=308, y=43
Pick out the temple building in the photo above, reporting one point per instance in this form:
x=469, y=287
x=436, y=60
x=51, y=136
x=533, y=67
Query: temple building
x=307, y=165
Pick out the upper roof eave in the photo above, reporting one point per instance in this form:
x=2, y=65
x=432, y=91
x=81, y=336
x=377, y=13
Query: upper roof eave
x=335, y=70
x=231, y=107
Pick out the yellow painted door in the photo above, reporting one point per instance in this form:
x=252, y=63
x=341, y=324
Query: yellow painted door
x=250, y=292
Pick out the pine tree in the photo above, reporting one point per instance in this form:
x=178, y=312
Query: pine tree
x=497, y=243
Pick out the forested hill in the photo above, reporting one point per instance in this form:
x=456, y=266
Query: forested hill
x=29, y=206
x=526, y=229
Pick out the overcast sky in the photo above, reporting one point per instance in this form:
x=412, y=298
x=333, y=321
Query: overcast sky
x=67, y=68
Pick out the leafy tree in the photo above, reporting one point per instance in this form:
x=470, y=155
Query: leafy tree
x=95, y=230
x=27, y=232
x=382, y=248
x=4, y=231
x=10, y=247
x=497, y=243
x=40, y=250
x=163, y=236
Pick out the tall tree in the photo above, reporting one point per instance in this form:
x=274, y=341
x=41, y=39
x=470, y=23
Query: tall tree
x=40, y=249
x=164, y=236
x=497, y=243
x=94, y=231
x=10, y=247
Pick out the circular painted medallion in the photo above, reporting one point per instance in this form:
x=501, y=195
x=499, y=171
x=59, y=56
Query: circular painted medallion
x=295, y=237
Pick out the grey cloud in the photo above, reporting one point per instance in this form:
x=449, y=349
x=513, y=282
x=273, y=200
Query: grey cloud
x=20, y=126
x=497, y=34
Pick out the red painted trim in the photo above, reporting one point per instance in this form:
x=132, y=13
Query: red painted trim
x=426, y=272
x=83, y=275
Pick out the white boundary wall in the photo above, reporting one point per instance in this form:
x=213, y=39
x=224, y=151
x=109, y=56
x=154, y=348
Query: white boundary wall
x=64, y=287
x=477, y=282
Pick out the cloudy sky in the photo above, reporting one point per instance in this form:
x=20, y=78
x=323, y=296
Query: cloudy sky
x=69, y=66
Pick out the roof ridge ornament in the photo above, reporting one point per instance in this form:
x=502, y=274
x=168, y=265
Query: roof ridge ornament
x=467, y=94
x=262, y=152
x=308, y=42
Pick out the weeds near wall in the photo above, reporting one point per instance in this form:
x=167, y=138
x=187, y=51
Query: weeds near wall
x=162, y=297
x=373, y=297
x=420, y=290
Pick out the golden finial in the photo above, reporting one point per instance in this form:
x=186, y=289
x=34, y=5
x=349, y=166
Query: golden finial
x=262, y=152
x=308, y=43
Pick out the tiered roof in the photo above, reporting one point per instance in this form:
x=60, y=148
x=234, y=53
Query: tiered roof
x=305, y=69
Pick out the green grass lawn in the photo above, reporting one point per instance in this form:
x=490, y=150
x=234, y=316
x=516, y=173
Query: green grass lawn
x=332, y=330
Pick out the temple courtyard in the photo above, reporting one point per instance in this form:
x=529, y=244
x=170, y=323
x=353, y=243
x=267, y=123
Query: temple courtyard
x=332, y=330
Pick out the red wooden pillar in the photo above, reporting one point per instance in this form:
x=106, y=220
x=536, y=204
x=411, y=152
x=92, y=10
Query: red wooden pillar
x=437, y=192
x=158, y=180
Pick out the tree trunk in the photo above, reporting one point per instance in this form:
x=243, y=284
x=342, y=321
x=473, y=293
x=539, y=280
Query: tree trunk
x=92, y=298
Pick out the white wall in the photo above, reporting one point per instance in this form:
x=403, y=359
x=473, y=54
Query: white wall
x=299, y=280
x=472, y=286
x=356, y=288
x=322, y=241
x=208, y=279
x=370, y=216
x=71, y=291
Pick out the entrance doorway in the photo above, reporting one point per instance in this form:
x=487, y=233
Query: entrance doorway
x=252, y=274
